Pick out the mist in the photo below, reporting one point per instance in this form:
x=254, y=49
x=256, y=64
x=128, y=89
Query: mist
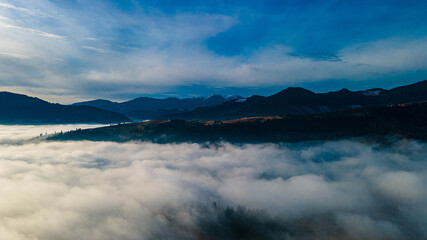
x=313, y=190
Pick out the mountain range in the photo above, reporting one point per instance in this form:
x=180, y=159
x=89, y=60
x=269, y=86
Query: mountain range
x=22, y=109
x=295, y=101
x=290, y=101
x=143, y=108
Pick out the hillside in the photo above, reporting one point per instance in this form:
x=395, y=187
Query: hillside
x=408, y=121
x=22, y=109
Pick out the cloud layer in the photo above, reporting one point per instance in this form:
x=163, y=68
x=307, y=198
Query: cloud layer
x=103, y=190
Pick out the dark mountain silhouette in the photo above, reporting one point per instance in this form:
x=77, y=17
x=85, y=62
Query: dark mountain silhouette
x=295, y=101
x=373, y=123
x=22, y=109
x=151, y=108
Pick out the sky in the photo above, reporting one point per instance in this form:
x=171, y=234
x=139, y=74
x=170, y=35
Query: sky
x=67, y=51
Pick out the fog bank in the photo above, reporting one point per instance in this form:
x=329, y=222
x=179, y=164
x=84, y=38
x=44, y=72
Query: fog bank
x=104, y=190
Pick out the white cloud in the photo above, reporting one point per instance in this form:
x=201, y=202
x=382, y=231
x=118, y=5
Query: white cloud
x=403, y=186
x=270, y=66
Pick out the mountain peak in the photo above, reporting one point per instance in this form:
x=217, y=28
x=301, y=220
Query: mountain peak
x=234, y=97
x=344, y=90
x=297, y=90
x=215, y=96
x=294, y=92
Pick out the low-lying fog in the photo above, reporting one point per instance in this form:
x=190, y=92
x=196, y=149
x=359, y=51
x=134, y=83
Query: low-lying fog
x=104, y=190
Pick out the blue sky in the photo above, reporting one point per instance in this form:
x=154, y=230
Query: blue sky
x=67, y=51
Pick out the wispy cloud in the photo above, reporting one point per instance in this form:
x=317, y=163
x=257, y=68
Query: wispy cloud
x=41, y=33
x=14, y=55
x=10, y=6
x=100, y=50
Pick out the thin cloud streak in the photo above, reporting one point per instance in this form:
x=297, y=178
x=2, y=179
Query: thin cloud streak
x=14, y=55
x=41, y=33
x=95, y=49
x=10, y=6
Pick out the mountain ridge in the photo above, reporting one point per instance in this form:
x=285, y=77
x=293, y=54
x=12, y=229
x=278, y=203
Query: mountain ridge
x=295, y=101
x=142, y=108
x=22, y=109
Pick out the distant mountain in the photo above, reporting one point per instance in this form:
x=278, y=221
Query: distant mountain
x=22, y=109
x=372, y=123
x=295, y=101
x=151, y=108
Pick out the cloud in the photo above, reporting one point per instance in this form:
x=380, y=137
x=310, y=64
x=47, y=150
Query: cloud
x=99, y=190
x=94, y=49
x=14, y=55
x=148, y=51
x=41, y=33
x=10, y=6
x=363, y=227
x=270, y=66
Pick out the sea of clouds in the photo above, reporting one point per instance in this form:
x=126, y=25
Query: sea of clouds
x=104, y=190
